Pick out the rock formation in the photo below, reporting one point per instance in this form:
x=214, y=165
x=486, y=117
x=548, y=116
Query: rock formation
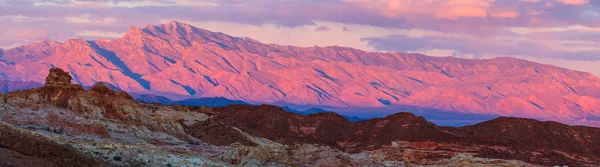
x=58, y=78
x=61, y=124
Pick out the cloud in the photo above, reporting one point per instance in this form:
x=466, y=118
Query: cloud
x=567, y=35
x=509, y=15
x=126, y=3
x=305, y=36
x=87, y=19
x=554, y=29
x=449, y=9
x=574, y=2
x=439, y=15
x=553, y=50
x=484, y=47
x=91, y=35
x=322, y=28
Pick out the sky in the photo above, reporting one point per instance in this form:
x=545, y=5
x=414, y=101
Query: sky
x=564, y=33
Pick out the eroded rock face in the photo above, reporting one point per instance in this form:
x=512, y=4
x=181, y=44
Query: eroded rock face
x=546, y=143
x=58, y=78
x=104, y=126
x=101, y=124
x=103, y=89
x=39, y=151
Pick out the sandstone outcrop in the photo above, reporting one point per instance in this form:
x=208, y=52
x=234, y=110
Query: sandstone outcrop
x=58, y=78
x=66, y=125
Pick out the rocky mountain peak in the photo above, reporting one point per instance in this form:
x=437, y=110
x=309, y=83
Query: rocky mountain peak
x=167, y=30
x=58, y=78
x=176, y=24
x=173, y=23
x=134, y=30
x=47, y=42
x=76, y=43
x=174, y=27
x=38, y=45
x=182, y=29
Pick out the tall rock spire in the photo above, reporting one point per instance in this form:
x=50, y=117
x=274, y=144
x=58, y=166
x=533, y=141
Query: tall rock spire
x=58, y=78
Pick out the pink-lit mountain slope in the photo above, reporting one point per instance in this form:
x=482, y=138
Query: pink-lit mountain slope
x=176, y=58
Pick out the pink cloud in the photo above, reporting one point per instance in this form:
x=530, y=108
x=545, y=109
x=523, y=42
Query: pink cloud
x=322, y=28
x=574, y=2
x=509, y=15
x=448, y=9
x=30, y=33
x=475, y=18
x=463, y=11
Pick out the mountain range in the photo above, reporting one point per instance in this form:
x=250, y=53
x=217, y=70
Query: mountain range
x=180, y=61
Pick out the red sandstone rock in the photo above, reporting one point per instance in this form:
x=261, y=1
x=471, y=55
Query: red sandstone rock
x=58, y=77
x=545, y=143
x=68, y=113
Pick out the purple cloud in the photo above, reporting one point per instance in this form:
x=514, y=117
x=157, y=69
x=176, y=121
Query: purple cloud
x=477, y=47
x=480, y=19
x=322, y=28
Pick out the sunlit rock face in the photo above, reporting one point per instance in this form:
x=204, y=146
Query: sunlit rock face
x=178, y=59
x=62, y=124
x=57, y=78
